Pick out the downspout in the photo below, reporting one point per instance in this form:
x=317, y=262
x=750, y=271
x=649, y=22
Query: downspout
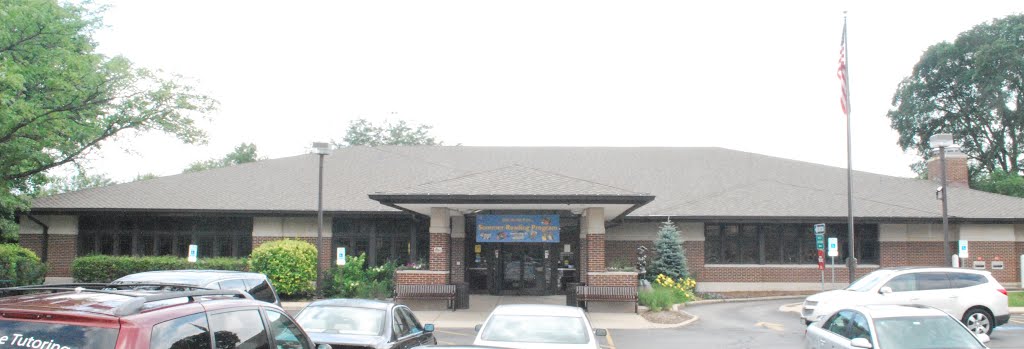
x=46, y=236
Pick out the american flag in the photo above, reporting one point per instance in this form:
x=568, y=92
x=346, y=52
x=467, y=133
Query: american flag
x=843, y=74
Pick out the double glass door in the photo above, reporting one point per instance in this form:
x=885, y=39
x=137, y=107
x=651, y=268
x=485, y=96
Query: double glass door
x=523, y=269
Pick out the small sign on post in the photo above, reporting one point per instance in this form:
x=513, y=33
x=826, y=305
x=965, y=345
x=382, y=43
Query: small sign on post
x=340, y=258
x=833, y=247
x=819, y=240
x=962, y=251
x=193, y=253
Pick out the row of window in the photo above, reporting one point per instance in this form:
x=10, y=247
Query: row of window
x=726, y=243
x=164, y=236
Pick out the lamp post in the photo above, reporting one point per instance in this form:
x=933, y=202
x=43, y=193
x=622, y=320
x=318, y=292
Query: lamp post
x=321, y=149
x=942, y=141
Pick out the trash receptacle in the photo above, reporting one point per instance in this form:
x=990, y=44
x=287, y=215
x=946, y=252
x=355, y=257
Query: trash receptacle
x=461, y=295
x=570, y=294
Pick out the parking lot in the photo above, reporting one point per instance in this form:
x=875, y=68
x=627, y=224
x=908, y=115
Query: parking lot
x=761, y=324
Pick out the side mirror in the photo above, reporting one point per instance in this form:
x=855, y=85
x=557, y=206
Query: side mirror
x=600, y=332
x=885, y=290
x=477, y=327
x=860, y=343
x=428, y=327
x=982, y=337
x=323, y=346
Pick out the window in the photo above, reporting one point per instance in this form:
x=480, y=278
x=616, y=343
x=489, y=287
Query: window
x=859, y=327
x=285, y=333
x=261, y=290
x=188, y=332
x=236, y=284
x=164, y=236
x=967, y=280
x=239, y=329
x=840, y=323
x=380, y=240
x=399, y=324
x=414, y=324
x=780, y=243
x=903, y=283
x=932, y=281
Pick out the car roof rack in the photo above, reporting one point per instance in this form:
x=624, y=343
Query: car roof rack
x=138, y=301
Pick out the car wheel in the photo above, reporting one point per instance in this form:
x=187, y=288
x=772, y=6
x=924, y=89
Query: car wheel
x=979, y=321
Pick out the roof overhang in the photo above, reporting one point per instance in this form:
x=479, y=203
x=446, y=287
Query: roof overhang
x=615, y=206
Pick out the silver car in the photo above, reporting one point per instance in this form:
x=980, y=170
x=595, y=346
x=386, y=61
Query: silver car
x=892, y=327
x=538, y=326
x=972, y=296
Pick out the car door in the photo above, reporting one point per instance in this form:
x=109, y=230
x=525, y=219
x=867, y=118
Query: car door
x=422, y=337
x=402, y=335
x=904, y=290
x=833, y=334
x=935, y=290
x=285, y=333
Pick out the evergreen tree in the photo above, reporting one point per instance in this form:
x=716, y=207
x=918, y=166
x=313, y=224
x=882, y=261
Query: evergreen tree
x=671, y=259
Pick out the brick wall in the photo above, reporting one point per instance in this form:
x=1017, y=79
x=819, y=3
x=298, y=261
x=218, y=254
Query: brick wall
x=781, y=273
x=988, y=251
x=595, y=253
x=695, y=258
x=583, y=259
x=420, y=277
x=913, y=253
x=618, y=251
x=63, y=250
x=439, y=245
x=458, y=261
x=326, y=255
x=612, y=279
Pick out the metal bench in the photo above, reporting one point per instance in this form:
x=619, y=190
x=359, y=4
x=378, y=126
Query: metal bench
x=607, y=294
x=445, y=292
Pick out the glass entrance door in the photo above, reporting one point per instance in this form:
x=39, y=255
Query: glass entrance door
x=525, y=270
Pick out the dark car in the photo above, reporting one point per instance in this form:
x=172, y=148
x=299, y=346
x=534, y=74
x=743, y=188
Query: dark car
x=65, y=317
x=358, y=323
x=255, y=284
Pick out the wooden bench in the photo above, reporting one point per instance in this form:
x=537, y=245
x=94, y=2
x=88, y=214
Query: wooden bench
x=445, y=292
x=607, y=294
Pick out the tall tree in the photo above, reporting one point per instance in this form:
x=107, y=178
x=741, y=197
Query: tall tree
x=79, y=181
x=363, y=132
x=671, y=258
x=243, y=153
x=972, y=88
x=60, y=100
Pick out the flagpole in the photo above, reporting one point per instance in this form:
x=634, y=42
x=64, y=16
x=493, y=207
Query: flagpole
x=851, y=261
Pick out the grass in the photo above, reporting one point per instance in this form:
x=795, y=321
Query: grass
x=661, y=298
x=1017, y=299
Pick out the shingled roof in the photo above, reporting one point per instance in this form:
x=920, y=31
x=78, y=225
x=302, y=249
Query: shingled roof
x=686, y=182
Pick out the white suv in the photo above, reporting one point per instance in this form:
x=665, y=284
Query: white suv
x=972, y=296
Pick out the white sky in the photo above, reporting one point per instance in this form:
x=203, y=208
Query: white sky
x=756, y=76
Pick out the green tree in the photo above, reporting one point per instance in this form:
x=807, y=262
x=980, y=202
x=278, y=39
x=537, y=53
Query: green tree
x=243, y=153
x=999, y=182
x=670, y=259
x=60, y=100
x=971, y=88
x=363, y=132
x=145, y=176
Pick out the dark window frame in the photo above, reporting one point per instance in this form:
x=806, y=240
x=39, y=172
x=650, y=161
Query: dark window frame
x=725, y=243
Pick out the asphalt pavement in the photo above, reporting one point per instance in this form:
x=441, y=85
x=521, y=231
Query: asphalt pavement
x=738, y=325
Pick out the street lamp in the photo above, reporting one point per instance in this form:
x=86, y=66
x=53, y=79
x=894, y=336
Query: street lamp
x=320, y=149
x=942, y=141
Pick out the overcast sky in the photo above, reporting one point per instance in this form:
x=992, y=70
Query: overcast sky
x=757, y=76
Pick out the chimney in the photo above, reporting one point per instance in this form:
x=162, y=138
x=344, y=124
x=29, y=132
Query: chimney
x=956, y=168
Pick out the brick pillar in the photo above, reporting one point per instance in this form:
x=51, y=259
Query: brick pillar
x=956, y=168
x=458, y=245
x=440, y=233
x=592, y=230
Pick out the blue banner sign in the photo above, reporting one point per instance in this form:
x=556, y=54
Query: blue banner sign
x=517, y=228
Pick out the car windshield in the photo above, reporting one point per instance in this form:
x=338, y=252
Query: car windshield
x=347, y=320
x=15, y=334
x=924, y=332
x=535, y=329
x=868, y=282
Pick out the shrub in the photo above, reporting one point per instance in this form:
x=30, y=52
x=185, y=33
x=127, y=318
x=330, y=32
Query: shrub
x=657, y=298
x=20, y=265
x=101, y=268
x=354, y=280
x=290, y=265
x=665, y=292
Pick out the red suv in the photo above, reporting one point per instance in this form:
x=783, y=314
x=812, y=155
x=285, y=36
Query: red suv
x=48, y=317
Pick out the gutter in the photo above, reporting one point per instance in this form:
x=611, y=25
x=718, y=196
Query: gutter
x=46, y=236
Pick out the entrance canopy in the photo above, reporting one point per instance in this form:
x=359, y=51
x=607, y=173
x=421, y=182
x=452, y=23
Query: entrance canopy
x=515, y=188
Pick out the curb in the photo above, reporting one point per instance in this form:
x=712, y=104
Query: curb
x=737, y=300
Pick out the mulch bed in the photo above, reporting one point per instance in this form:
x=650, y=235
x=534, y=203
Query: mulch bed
x=665, y=317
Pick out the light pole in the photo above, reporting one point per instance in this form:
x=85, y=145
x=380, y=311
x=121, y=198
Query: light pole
x=320, y=149
x=943, y=141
